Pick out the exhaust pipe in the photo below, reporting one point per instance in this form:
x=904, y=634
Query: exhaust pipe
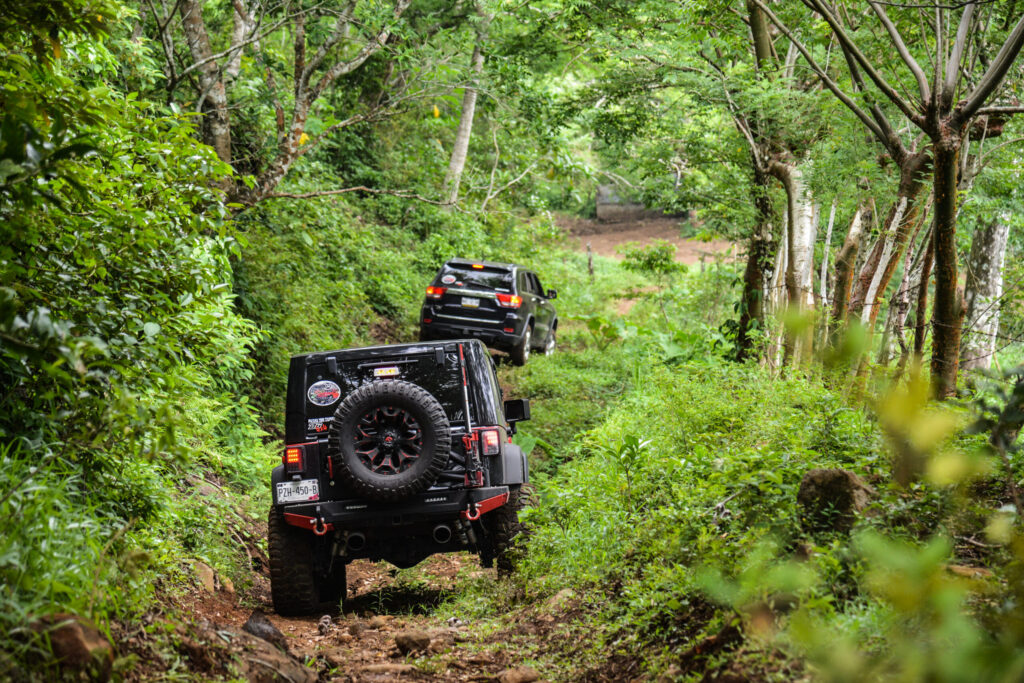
x=442, y=534
x=355, y=541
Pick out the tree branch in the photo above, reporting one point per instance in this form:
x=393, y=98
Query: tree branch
x=492, y=194
x=953, y=65
x=1001, y=110
x=866, y=65
x=994, y=76
x=901, y=47
x=370, y=48
x=828, y=82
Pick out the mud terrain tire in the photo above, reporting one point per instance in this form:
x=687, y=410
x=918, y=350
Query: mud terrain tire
x=295, y=586
x=389, y=440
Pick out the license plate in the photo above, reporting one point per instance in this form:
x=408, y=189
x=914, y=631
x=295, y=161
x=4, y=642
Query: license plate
x=298, y=491
x=470, y=302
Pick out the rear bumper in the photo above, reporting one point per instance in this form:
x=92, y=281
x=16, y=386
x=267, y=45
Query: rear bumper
x=491, y=334
x=429, y=507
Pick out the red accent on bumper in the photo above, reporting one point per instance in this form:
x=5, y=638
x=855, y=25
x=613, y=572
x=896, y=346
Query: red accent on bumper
x=486, y=505
x=304, y=522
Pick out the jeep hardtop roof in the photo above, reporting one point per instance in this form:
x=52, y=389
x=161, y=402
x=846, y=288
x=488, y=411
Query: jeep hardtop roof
x=435, y=365
x=385, y=350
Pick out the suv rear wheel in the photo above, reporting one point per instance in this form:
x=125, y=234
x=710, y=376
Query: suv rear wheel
x=389, y=440
x=549, y=343
x=521, y=351
x=503, y=526
x=296, y=584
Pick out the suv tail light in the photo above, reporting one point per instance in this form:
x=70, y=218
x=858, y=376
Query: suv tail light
x=510, y=300
x=490, y=443
x=294, y=459
x=435, y=292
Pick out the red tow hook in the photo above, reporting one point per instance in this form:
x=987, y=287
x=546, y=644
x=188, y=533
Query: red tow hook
x=472, y=512
x=319, y=526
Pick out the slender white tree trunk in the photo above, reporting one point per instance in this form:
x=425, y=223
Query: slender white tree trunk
x=823, y=280
x=461, y=147
x=776, y=294
x=982, y=294
x=805, y=231
x=873, y=296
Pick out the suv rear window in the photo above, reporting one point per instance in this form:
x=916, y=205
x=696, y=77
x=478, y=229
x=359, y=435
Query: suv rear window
x=497, y=279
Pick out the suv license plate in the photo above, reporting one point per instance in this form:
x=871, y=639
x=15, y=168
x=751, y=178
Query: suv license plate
x=292, y=491
x=470, y=302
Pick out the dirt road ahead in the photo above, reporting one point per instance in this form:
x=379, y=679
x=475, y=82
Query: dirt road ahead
x=606, y=238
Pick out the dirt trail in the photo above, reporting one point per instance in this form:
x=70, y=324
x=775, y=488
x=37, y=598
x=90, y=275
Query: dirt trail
x=606, y=238
x=360, y=645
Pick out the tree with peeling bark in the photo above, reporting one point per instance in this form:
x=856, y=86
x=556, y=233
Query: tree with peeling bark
x=968, y=68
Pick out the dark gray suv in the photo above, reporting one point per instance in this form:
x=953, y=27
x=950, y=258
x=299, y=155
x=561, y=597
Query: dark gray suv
x=501, y=304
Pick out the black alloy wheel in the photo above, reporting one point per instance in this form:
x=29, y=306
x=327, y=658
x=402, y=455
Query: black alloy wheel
x=388, y=440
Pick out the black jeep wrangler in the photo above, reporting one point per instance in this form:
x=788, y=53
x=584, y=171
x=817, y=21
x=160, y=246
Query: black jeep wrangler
x=502, y=304
x=391, y=453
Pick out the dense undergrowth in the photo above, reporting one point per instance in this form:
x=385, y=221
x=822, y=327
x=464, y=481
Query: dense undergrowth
x=675, y=519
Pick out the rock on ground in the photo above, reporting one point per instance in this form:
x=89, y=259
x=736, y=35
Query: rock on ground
x=261, y=627
x=207, y=579
x=412, y=641
x=831, y=499
x=262, y=662
x=520, y=674
x=78, y=645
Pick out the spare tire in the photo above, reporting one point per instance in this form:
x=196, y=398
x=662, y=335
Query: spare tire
x=389, y=440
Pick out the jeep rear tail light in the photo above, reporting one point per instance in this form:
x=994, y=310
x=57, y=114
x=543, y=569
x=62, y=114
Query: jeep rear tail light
x=490, y=443
x=510, y=300
x=293, y=459
x=435, y=292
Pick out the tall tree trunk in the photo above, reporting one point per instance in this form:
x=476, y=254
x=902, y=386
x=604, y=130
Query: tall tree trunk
x=947, y=312
x=881, y=263
x=982, y=294
x=776, y=294
x=846, y=262
x=899, y=305
x=801, y=231
x=758, y=259
x=920, y=329
x=465, y=129
x=213, y=98
x=823, y=279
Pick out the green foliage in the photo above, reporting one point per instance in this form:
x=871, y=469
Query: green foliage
x=122, y=358
x=657, y=259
